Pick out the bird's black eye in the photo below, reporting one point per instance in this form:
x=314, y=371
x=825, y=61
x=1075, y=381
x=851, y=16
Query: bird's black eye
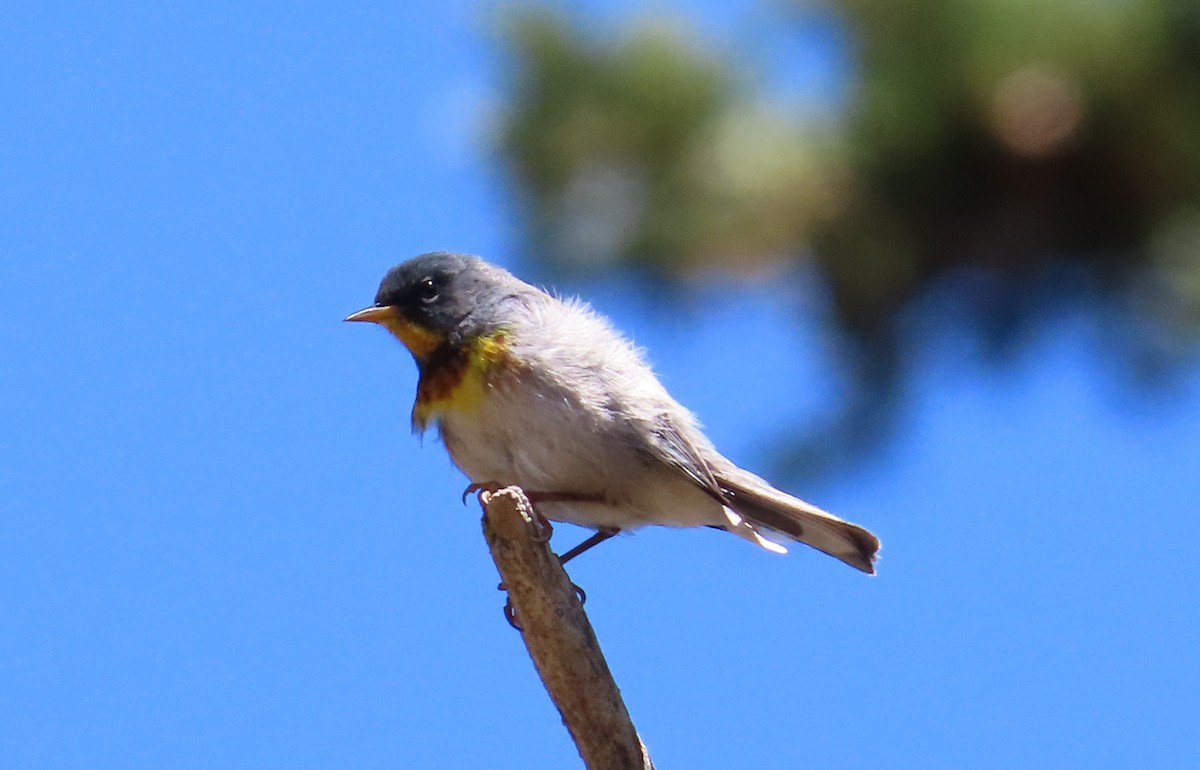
x=427, y=290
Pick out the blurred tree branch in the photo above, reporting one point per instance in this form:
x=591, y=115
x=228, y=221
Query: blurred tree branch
x=997, y=163
x=559, y=637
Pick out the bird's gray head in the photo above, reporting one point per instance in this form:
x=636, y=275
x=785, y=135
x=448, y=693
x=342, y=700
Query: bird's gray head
x=439, y=298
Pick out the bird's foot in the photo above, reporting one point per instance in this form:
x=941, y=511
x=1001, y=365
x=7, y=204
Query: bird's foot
x=510, y=612
x=544, y=528
x=535, y=498
x=490, y=487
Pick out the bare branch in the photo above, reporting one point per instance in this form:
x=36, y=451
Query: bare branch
x=559, y=637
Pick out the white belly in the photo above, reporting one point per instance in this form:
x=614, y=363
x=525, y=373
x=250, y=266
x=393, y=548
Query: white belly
x=543, y=446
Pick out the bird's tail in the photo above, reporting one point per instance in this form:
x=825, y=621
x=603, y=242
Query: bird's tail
x=756, y=503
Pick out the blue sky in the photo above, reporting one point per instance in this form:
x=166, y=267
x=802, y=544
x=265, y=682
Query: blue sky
x=220, y=546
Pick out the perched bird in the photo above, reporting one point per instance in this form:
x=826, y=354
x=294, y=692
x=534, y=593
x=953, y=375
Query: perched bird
x=535, y=391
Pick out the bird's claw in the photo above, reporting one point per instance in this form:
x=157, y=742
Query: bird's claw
x=541, y=523
x=510, y=612
x=542, y=526
x=484, y=486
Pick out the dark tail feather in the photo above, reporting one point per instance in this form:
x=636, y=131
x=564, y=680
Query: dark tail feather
x=765, y=505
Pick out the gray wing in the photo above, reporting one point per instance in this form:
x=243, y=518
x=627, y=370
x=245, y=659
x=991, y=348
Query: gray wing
x=762, y=504
x=680, y=452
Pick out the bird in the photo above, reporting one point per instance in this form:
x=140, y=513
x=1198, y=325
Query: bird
x=532, y=390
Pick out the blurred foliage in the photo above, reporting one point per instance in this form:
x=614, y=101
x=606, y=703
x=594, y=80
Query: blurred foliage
x=996, y=162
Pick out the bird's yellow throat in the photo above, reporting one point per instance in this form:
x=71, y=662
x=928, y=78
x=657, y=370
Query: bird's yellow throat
x=453, y=378
x=458, y=380
x=421, y=341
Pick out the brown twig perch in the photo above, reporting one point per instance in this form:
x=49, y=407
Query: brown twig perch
x=559, y=637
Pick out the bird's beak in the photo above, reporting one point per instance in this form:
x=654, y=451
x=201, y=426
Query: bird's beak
x=419, y=340
x=375, y=315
